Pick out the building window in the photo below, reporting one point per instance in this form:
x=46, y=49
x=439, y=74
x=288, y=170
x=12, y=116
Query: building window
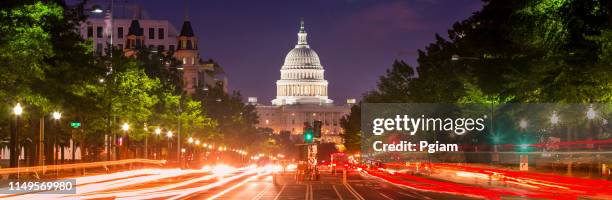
x=189, y=46
x=151, y=47
x=160, y=48
x=120, y=46
x=171, y=47
x=151, y=33
x=160, y=33
x=99, y=32
x=99, y=47
x=120, y=32
x=89, y=32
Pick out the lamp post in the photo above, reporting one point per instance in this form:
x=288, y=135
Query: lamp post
x=591, y=114
x=169, y=136
x=125, y=127
x=14, y=159
x=157, y=132
x=56, y=116
x=146, y=150
x=110, y=135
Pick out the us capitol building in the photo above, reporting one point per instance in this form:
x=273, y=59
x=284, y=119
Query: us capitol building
x=302, y=96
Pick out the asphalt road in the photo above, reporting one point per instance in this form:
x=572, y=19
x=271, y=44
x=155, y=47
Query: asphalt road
x=359, y=186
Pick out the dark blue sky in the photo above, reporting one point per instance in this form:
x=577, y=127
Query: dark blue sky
x=357, y=40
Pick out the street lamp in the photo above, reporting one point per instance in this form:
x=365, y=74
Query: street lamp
x=190, y=140
x=125, y=127
x=17, y=110
x=523, y=123
x=591, y=113
x=96, y=9
x=169, y=134
x=158, y=131
x=554, y=118
x=197, y=142
x=14, y=159
x=57, y=115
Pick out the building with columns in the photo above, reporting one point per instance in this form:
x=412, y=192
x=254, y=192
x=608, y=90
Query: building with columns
x=302, y=96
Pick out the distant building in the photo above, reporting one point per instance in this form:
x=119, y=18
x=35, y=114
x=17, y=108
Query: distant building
x=157, y=35
x=302, y=96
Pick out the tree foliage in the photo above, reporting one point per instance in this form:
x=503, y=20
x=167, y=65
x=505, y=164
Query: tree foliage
x=526, y=51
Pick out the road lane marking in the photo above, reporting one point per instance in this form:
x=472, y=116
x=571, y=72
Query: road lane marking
x=353, y=191
x=307, y=191
x=279, y=192
x=404, y=187
x=383, y=195
x=311, y=193
x=230, y=188
x=337, y=193
x=260, y=194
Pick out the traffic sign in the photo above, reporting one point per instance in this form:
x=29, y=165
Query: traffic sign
x=75, y=124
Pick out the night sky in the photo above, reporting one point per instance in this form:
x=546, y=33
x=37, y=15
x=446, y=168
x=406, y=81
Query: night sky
x=357, y=40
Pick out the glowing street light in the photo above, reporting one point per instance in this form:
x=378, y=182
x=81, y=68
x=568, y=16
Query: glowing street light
x=554, y=118
x=158, y=131
x=17, y=110
x=96, y=9
x=125, y=127
x=190, y=140
x=169, y=134
x=591, y=114
x=57, y=115
x=523, y=123
x=197, y=142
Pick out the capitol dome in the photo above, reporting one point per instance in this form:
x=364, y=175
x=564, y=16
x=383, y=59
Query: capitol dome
x=302, y=57
x=302, y=76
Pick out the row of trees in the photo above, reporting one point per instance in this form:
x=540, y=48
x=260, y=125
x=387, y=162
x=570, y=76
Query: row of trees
x=47, y=66
x=526, y=51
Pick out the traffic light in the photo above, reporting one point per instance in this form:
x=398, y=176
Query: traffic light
x=308, y=136
x=316, y=128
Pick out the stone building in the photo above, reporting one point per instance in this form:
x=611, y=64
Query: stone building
x=302, y=96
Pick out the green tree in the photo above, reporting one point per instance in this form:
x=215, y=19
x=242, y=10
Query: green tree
x=236, y=120
x=352, y=129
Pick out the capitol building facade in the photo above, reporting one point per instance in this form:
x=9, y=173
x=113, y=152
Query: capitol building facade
x=302, y=96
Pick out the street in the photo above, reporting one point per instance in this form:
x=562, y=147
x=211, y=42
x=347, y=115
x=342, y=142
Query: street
x=243, y=183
